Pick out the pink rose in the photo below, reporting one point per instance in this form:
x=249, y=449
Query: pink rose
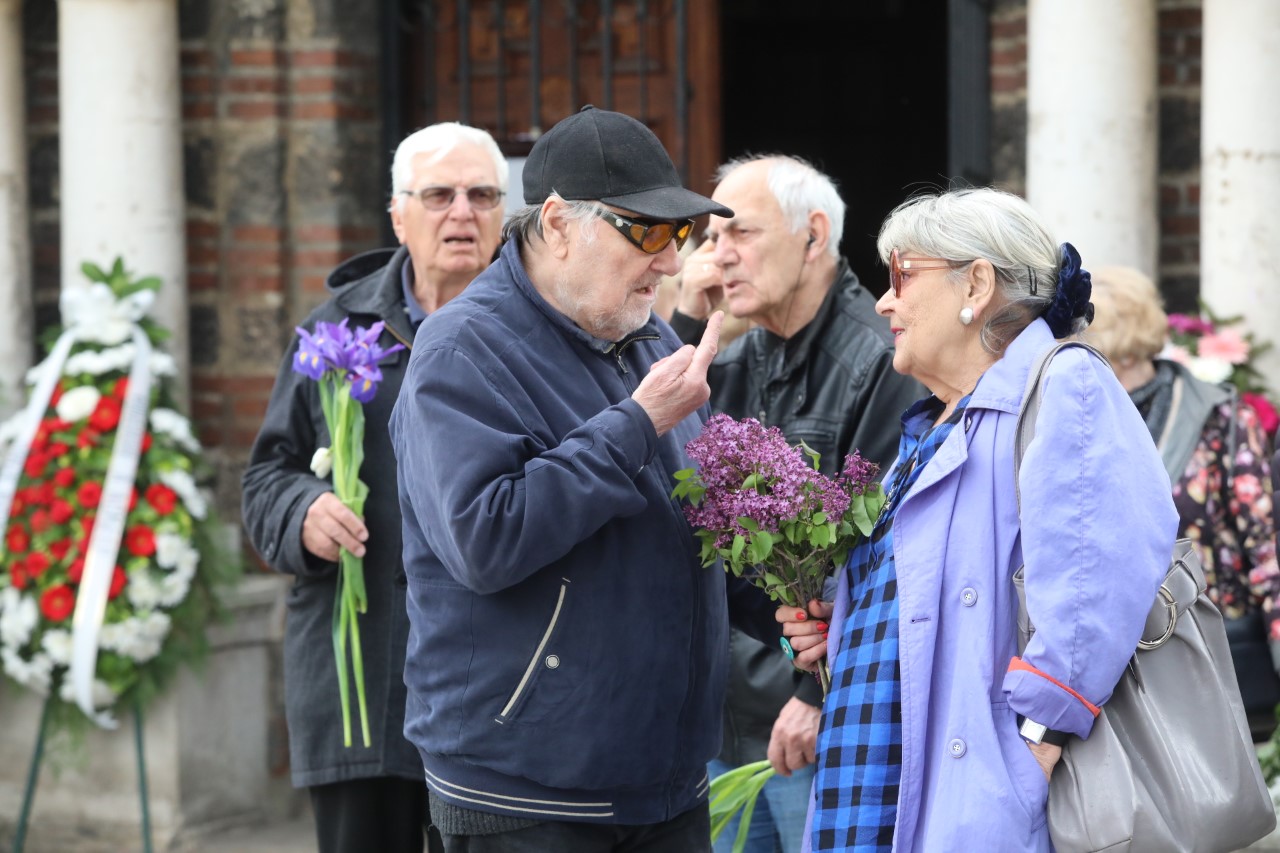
x=1227, y=345
x=1190, y=325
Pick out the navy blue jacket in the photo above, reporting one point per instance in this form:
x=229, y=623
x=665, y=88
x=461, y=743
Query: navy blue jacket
x=567, y=652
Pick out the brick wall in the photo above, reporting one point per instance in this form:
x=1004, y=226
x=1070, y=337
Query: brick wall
x=283, y=178
x=281, y=139
x=1179, y=134
x=1009, y=95
x=1179, y=93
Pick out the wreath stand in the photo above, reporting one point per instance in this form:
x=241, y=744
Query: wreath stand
x=33, y=777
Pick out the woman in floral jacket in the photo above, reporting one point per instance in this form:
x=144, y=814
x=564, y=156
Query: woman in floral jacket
x=1215, y=452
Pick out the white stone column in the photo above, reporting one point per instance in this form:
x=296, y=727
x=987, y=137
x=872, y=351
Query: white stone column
x=119, y=101
x=1092, y=126
x=1240, y=169
x=16, y=318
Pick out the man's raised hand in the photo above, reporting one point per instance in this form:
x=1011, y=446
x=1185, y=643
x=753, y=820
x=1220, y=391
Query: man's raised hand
x=677, y=385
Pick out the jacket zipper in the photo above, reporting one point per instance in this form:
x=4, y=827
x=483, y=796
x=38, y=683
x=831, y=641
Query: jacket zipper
x=616, y=350
x=537, y=654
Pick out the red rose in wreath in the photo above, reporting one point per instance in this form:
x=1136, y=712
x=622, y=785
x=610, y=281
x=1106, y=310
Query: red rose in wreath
x=57, y=602
x=162, y=498
x=107, y=415
x=140, y=540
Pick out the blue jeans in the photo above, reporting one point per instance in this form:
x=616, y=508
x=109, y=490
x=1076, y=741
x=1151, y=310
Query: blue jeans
x=777, y=824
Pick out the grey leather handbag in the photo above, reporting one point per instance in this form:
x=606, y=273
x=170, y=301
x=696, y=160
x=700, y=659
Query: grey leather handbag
x=1169, y=765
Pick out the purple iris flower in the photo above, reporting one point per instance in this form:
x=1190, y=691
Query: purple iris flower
x=352, y=353
x=364, y=382
x=367, y=340
x=310, y=360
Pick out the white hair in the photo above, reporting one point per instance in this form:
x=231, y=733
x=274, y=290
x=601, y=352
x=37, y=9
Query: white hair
x=799, y=189
x=526, y=223
x=967, y=224
x=439, y=140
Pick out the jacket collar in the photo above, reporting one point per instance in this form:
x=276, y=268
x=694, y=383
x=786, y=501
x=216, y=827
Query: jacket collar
x=1001, y=389
x=515, y=269
x=1002, y=386
x=380, y=294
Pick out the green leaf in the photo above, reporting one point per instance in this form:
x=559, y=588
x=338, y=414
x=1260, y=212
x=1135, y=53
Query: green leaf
x=735, y=551
x=759, y=547
x=735, y=791
x=819, y=518
x=748, y=523
x=93, y=272
x=861, y=517
x=752, y=481
x=683, y=474
x=820, y=537
x=773, y=580
x=813, y=455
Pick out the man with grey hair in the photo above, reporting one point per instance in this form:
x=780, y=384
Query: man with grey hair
x=819, y=366
x=567, y=650
x=447, y=181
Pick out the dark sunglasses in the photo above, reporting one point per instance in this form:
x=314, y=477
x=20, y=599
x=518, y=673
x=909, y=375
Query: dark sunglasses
x=440, y=197
x=899, y=265
x=649, y=236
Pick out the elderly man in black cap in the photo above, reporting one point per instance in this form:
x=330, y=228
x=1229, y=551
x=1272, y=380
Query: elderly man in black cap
x=567, y=651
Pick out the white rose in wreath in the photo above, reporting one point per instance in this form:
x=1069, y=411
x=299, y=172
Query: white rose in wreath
x=78, y=403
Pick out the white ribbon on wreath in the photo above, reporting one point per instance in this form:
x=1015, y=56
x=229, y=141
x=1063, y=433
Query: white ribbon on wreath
x=92, y=315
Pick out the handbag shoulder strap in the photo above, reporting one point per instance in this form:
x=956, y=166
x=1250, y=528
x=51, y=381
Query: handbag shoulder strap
x=1030, y=409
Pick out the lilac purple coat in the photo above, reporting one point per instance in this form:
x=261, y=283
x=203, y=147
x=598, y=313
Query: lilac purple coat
x=1098, y=538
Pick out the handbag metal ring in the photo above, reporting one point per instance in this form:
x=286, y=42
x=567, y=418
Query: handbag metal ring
x=1172, y=604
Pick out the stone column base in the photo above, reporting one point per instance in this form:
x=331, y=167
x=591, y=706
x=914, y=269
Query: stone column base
x=206, y=748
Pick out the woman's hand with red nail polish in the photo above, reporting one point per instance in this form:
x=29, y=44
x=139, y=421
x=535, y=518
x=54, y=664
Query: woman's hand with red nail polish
x=806, y=632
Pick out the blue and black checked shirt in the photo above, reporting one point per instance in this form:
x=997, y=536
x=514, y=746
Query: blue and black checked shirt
x=860, y=741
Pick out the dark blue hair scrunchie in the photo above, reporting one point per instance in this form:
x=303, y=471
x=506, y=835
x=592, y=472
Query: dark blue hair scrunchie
x=1071, y=301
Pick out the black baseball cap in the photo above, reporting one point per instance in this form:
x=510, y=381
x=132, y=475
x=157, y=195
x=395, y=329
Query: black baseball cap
x=604, y=156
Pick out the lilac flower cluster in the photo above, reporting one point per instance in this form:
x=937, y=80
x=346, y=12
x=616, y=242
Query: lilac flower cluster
x=354, y=354
x=750, y=470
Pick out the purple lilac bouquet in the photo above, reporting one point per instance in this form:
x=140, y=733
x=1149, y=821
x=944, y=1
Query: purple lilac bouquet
x=763, y=508
x=345, y=364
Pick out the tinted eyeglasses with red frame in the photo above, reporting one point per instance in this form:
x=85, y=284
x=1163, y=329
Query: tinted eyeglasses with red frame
x=898, y=265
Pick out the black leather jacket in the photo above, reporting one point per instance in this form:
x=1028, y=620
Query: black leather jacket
x=833, y=385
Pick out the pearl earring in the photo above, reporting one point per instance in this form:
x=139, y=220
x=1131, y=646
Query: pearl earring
x=966, y=315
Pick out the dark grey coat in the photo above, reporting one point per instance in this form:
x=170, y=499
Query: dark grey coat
x=278, y=489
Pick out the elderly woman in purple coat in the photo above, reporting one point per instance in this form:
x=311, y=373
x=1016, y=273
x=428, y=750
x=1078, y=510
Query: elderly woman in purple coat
x=937, y=735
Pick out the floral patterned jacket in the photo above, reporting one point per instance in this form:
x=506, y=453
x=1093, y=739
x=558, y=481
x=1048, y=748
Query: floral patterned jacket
x=1225, y=509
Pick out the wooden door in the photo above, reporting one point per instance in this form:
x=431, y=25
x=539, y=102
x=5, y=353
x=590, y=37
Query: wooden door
x=516, y=67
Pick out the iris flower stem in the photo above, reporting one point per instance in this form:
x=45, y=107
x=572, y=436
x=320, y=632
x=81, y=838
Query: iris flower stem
x=351, y=596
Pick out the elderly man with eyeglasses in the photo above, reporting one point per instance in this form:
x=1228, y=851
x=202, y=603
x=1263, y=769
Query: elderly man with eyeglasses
x=448, y=181
x=566, y=650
